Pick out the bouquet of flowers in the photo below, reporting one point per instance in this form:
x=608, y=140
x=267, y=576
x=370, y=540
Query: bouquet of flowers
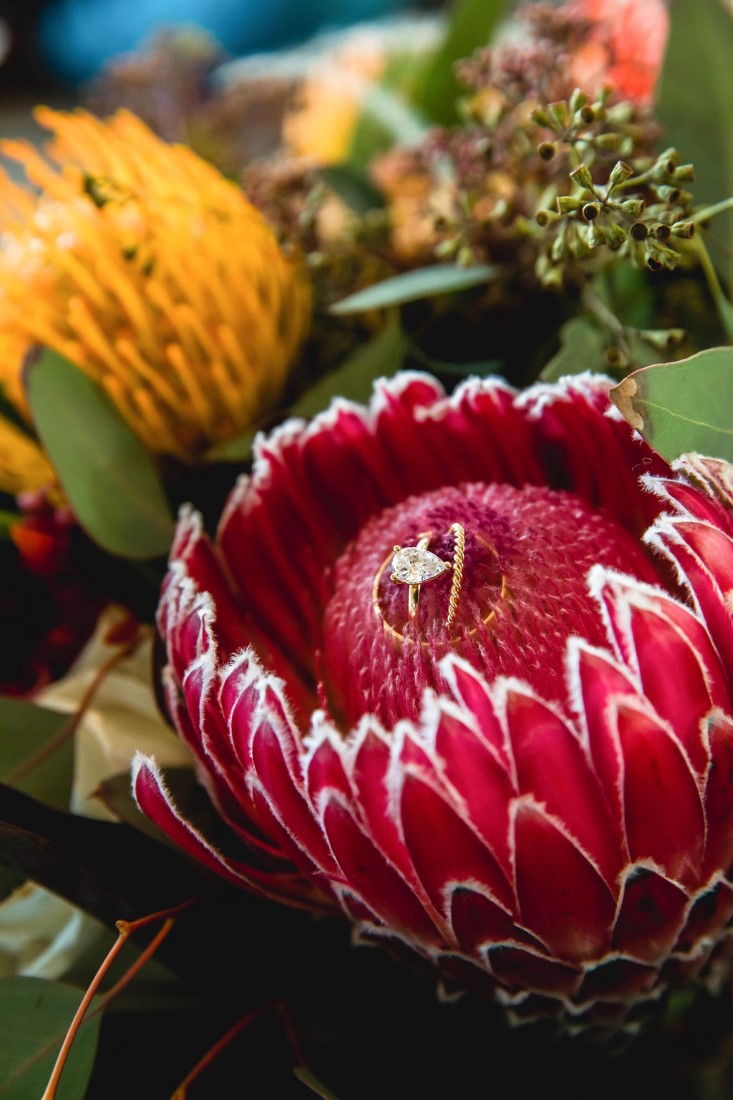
x=365, y=443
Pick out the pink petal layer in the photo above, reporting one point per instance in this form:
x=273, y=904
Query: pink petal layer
x=369, y=875
x=154, y=800
x=562, y=898
x=444, y=850
x=554, y=770
x=664, y=816
x=651, y=914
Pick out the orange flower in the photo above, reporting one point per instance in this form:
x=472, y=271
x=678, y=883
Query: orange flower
x=145, y=267
x=626, y=46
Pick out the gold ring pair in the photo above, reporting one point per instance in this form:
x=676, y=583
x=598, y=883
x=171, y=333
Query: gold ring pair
x=417, y=565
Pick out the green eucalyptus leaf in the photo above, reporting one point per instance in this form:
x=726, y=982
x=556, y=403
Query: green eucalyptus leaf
x=423, y=282
x=696, y=103
x=34, y=1017
x=380, y=358
x=110, y=479
x=352, y=184
x=682, y=407
x=472, y=24
x=581, y=349
x=26, y=730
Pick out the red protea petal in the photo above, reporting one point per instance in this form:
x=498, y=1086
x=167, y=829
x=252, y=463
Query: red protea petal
x=651, y=912
x=704, y=558
x=179, y=618
x=471, y=689
x=671, y=652
x=520, y=969
x=369, y=875
x=664, y=816
x=342, y=453
x=228, y=799
x=597, y=683
x=617, y=978
x=445, y=851
x=709, y=498
x=184, y=599
x=154, y=800
x=712, y=547
x=264, y=753
x=582, y=439
x=719, y=794
x=710, y=911
x=370, y=774
x=279, y=588
x=562, y=898
x=474, y=408
x=199, y=688
x=203, y=565
x=324, y=771
x=287, y=848
x=481, y=782
x=247, y=692
x=459, y=974
x=283, y=794
x=476, y=920
x=553, y=768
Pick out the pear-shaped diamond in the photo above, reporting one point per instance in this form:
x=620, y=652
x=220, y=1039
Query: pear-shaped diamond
x=413, y=565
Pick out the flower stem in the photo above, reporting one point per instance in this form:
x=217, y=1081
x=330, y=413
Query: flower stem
x=125, y=929
x=722, y=303
x=229, y=1036
x=711, y=211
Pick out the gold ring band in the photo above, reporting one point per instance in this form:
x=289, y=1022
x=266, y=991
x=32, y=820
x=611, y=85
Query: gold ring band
x=459, y=547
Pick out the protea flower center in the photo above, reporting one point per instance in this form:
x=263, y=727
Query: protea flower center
x=521, y=594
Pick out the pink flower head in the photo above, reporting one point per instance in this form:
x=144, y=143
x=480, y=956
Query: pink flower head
x=532, y=795
x=625, y=48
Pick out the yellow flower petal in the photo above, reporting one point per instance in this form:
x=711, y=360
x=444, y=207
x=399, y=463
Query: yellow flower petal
x=23, y=465
x=154, y=274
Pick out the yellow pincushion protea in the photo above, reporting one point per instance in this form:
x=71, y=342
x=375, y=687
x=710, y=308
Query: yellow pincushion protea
x=146, y=268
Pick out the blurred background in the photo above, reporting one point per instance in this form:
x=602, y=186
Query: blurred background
x=60, y=44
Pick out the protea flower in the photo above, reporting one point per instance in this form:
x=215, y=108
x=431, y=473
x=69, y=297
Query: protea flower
x=536, y=798
x=145, y=267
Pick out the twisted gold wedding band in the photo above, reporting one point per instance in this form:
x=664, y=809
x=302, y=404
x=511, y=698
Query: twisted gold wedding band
x=459, y=540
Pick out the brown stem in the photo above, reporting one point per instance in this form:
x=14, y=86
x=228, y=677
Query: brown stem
x=125, y=929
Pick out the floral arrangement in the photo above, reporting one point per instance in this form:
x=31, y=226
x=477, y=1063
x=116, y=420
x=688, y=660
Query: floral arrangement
x=416, y=724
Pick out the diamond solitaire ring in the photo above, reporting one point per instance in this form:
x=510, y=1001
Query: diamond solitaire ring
x=415, y=565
